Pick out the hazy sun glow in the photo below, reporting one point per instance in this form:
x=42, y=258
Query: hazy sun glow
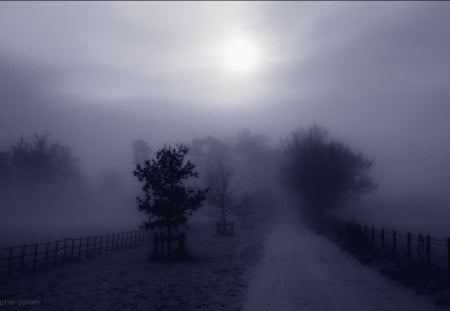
x=241, y=56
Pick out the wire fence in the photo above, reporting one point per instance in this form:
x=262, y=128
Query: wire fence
x=40, y=256
x=417, y=248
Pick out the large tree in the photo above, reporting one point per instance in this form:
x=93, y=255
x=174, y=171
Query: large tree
x=167, y=200
x=209, y=151
x=5, y=168
x=40, y=160
x=324, y=171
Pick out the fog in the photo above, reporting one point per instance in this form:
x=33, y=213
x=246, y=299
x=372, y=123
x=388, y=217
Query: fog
x=98, y=76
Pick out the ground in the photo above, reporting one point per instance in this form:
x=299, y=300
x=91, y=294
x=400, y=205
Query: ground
x=215, y=279
x=282, y=267
x=301, y=270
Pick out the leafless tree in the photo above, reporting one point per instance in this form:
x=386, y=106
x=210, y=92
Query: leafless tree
x=222, y=190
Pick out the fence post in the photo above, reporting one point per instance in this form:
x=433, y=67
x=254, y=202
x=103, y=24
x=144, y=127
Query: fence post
x=87, y=247
x=10, y=262
x=71, y=251
x=421, y=247
x=102, y=239
x=372, y=236
x=46, y=253
x=22, y=266
x=394, y=241
x=79, y=248
x=107, y=241
x=35, y=257
x=409, y=245
x=56, y=252
x=65, y=245
x=95, y=244
x=428, y=250
x=382, y=238
x=448, y=255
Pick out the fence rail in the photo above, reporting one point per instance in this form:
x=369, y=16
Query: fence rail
x=39, y=256
x=420, y=249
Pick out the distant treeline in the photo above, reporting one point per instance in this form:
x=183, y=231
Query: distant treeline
x=38, y=161
x=321, y=171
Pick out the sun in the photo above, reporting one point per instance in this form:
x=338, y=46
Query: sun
x=241, y=56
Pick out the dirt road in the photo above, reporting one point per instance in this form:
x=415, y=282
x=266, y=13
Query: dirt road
x=303, y=271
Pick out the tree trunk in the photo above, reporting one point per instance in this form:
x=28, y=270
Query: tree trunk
x=222, y=209
x=169, y=240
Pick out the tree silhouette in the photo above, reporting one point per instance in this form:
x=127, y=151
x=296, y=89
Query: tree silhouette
x=253, y=147
x=166, y=199
x=221, y=192
x=42, y=161
x=324, y=171
x=5, y=171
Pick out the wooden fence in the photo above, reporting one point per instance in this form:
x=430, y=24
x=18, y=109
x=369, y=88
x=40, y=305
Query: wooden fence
x=225, y=228
x=417, y=248
x=166, y=247
x=39, y=256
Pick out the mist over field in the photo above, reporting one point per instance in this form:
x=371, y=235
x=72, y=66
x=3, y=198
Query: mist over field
x=88, y=91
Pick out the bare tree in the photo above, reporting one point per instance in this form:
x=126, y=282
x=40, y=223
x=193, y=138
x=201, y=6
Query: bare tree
x=221, y=192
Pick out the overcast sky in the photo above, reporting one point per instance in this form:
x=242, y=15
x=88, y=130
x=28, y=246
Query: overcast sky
x=98, y=75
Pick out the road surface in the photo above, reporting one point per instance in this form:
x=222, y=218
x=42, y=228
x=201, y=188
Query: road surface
x=301, y=270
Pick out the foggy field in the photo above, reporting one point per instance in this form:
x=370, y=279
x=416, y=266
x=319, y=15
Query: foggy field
x=254, y=123
x=282, y=266
x=40, y=231
x=215, y=279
